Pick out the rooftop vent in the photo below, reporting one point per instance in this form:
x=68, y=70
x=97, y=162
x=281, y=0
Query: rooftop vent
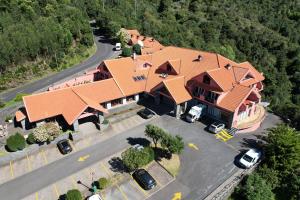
x=139, y=78
x=228, y=66
x=200, y=58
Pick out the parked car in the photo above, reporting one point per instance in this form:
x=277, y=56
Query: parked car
x=250, y=158
x=64, y=146
x=138, y=147
x=216, y=127
x=145, y=113
x=95, y=197
x=144, y=179
x=118, y=46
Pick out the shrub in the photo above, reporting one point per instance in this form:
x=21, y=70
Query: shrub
x=19, y=97
x=30, y=139
x=15, y=142
x=126, y=52
x=137, y=49
x=103, y=183
x=74, y=195
x=46, y=132
x=134, y=159
x=7, y=118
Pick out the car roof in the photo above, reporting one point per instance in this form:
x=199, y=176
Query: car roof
x=253, y=152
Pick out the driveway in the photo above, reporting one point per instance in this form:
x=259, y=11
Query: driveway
x=202, y=168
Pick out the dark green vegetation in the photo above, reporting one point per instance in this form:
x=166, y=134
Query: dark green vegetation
x=74, y=195
x=279, y=175
x=266, y=33
x=103, y=183
x=15, y=142
x=38, y=35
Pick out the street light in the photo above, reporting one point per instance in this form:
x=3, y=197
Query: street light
x=93, y=185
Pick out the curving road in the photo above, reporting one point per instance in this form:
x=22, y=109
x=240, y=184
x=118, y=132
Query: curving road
x=104, y=51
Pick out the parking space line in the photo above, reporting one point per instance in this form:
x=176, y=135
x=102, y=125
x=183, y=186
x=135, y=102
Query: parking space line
x=86, y=142
x=28, y=163
x=44, y=156
x=36, y=196
x=56, y=190
x=138, y=187
x=74, y=182
x=11, y=169
x=122, y=192
x=72, y=145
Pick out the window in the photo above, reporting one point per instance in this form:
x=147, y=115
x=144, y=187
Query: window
x=198, y=91
x=211, y=97
x=169, y=68
x=206, y=79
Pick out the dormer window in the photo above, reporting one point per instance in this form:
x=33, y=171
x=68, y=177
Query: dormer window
x=169, y=68
x=206, y=79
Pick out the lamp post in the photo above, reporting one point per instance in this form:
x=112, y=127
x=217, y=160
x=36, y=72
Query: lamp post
x=93, y=185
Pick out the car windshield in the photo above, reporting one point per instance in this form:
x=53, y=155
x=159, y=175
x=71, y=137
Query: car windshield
x=147, y=112
x=65, y=144
x=190, y=115
x=247, y=158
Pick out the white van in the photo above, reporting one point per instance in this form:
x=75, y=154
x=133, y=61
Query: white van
x=195, y=113
x=118, y=46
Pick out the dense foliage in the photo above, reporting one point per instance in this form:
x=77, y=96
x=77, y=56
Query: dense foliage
x=46, y=132
x=103, y=183
x=74, y=195
x=280, y=171
x=134, y=159
x=15, y=142
x=266, y=33
x=39, y=31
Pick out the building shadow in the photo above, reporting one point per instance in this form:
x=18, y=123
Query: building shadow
x=161, y=109
x=142, y=141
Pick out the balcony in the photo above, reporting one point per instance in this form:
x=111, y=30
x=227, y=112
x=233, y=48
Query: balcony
x=209, y=99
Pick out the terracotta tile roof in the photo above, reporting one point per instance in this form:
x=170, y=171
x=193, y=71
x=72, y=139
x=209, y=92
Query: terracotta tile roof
x=235, y=97
x=20, y=116
x=133, y=32
x=223, y=77
x=175, y=64
x=177, y=89
x=71, y=102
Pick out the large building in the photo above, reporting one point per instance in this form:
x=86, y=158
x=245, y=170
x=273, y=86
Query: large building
x=181, y=77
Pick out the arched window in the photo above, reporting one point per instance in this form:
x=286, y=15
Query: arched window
x=206, y=79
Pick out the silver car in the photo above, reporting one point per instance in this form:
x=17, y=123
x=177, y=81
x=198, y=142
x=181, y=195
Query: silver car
x=216, y=127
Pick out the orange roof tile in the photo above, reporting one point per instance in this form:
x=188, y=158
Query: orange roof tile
x=177, y=89
x=20, y=116
x=235, y=97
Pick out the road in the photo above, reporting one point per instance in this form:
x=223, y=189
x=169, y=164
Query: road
x=104, y=51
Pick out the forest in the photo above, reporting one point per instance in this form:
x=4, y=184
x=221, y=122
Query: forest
x=36, y=35
x=264, y=32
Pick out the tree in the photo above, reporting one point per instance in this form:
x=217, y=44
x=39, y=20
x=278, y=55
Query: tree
x=254, y=188
x=16, y=142
x=155, y=133
x=174, y=144
x=134, y=159
x=137, y=49
x=74, y=195
x=103, y=183
x=126, y=51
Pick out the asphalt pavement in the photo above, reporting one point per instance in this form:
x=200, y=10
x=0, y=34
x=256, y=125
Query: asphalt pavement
x=104, y=51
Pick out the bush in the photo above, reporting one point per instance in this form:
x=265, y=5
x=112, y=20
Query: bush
x=46, y=132
x=103, y=183
x=15, y=142
x=126, y=52
x=134, y=159
x=30, y=139
x=7, y=118
x=137, y=49
x=74, y=195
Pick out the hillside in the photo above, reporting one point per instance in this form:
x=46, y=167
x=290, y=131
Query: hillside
x=266, y=33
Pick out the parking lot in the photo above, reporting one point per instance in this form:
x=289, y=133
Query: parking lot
x=123, y=186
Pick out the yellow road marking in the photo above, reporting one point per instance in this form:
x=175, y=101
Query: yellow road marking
x=122, y=192
x=28, y=163
x=11, y=169
x=83, y=158
x=56, y=190
x=138, y=187
x=177, y=196
x=192, y=145
x=44, y=156
x=36, y=196
x=74, y=182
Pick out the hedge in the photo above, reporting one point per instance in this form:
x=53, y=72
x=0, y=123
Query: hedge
x=15, y=142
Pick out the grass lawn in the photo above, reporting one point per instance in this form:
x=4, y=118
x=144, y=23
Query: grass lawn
x=171, y=165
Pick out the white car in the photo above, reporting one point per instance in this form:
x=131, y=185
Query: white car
x=118, y=47
x=138, y=147
x=95, y=197
x=250, y=158
x=216, y=127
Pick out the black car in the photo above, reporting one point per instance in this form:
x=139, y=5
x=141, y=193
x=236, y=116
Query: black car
x=64, y=146
x=144, y=179
x=146, y=113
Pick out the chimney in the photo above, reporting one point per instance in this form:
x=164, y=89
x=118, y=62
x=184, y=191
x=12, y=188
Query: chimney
x=228, y=66
x=200, y=57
